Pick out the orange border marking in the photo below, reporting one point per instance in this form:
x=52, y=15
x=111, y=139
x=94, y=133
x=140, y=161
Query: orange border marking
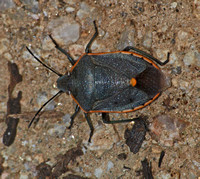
x=125, y=111
x=123, y=52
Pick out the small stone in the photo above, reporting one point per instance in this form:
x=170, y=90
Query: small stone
x=156, y=149
x=28, y=158
x=162, y=54
x=177, y=70
x=72, y=2
x=193, y=176
x=42, y=98
x=175, y=82
x=103, y=139
x=166, y=129
x=66, y=120
x=64, y=30
x=196, y=10
x=147, y=41
x=197, y=83
x=84, y=11
x=88, y=174
x=8, y=56
x=126, y=39
x=108, y=3
x=98, y=172
x=57, y=130
x=70, y=9
x=191, y=58
x=164, y=175
x=184, y=85
x=174, y=5
x=23, y=176
x=3, y=45
x=182, y=35
x=4, y=175
x=173, y=59
x=110, y=165
x=6, y=4
x=39, y=158
x=27, y=166
x=197, y=164
x=47, y=44
x=31, y=5
x=50, y=106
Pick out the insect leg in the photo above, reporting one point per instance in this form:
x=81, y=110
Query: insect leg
x=107, y=120
x=77, y=109
x=87, y=49
x=128, y=48
x=90, y=125
x=71, y=60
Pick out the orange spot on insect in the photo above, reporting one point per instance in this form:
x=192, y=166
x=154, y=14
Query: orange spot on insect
x=133, y=81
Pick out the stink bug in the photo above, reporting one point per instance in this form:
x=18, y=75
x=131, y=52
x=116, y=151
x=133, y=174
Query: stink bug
x=109, y=82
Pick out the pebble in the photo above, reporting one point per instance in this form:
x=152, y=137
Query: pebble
x=3, y=45
x=4, y=175
x=177, y=70
x=147, y=41
x=70, y=9
x=197, y=164
x=32, y=6
x=50, y=106
x=66, y=120
x=175, y=82
x=23, y=176
x=110, y=165
x=41, y=98
x=108, y=3
x=39, y=158
x=166, y=129
x=174, y=5
x=156, y=149
x=88, y=174
x=57, y=130
x=103, y=139
x=184, y=85
x=173, y=59
x=6, y=4
x=84, y=11
x=126, y=39
x=98, y=172
x=192, y=176
x=192, y=58
x=27, y=166
x=162, y=54
x=72, y=2
x=182, y=35
x=8, y=56
x=26, y=55
x=164, y=175
x=70, y=28
x=47, y=44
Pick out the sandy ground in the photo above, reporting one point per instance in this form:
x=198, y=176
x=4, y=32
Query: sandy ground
x=49, y=148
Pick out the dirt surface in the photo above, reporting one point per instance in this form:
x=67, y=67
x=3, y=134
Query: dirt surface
x=49, y=147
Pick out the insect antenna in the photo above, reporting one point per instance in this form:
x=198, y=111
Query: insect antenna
x=57, y=94
x=54, y=71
